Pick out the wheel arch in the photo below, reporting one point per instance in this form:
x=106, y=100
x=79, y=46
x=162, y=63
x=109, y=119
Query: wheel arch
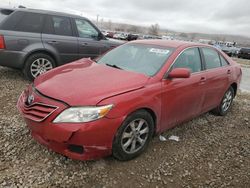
x=151, y=112
x=51, y=54
x=235, y=87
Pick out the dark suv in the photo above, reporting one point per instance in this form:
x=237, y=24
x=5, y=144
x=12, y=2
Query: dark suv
x=37, y=40
x=244, y=53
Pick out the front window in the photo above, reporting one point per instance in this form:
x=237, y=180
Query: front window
x=85, y=29
x=190, y=59
x=145, y=59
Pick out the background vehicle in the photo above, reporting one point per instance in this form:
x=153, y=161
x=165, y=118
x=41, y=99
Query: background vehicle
x=110, y=34
x=244, y=53
x=230, y=50
x=37, y=40
x=132, y=37
x=136, y=90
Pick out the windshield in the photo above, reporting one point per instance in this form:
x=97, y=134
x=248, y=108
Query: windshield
x=145, y=59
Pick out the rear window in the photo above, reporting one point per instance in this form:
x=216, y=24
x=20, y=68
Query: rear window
x=212, y=58
x=58, y=25
x=223, y=61
x=24, y=21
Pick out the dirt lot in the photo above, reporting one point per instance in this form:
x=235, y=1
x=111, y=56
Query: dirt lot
x=245, y=62
x=212, y=152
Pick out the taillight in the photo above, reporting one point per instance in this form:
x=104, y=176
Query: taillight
x=2, y=44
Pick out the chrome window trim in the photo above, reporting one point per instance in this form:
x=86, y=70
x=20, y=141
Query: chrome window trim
x=202, y=63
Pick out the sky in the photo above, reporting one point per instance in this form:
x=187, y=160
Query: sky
x=203, y=16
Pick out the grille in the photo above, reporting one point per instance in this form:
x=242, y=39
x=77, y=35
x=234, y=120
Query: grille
x=38, y=111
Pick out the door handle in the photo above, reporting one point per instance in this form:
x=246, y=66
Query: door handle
x=53, y=42
x=203, y=80
x=84, y=44
x=228, y=71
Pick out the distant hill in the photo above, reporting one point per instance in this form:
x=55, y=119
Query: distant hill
x=240, y=40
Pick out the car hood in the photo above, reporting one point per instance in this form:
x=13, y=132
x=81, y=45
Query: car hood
x=85, y=82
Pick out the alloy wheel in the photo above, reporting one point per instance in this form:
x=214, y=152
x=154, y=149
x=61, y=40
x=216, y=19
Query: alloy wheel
x=40, y=66
x=135, y=136
x=227, y=101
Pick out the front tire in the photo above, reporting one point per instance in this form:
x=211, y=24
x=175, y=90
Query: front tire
x=226, y=103
x=37, y=64
x=133, y=136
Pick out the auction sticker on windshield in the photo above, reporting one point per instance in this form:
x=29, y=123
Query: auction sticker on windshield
x=158, y=51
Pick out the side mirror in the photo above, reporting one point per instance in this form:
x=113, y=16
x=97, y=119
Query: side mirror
x=100, y=36
x=179, y=73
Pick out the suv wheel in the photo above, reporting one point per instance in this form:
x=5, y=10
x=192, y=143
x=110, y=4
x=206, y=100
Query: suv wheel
x=133, y=136
x=37, y=64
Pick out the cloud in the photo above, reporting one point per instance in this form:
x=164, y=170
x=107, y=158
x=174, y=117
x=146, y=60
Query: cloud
x=208, y=16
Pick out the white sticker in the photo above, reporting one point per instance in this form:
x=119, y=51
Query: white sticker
x=159, y=51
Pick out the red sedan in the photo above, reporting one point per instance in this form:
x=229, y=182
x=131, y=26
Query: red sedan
x=114, y=105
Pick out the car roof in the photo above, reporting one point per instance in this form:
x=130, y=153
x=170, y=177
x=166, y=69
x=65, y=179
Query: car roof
x=48, y=12
x=169, y=43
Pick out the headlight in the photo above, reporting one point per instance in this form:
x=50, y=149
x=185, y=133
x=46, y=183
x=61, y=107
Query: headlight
x=82, y=114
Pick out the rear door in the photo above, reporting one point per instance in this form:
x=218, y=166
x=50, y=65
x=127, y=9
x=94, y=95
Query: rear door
x=89, y=44
x=59, y=38
x=217, y=74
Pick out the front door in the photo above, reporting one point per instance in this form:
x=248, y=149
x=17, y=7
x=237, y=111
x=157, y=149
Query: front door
x=89, y=44
x=182, y=98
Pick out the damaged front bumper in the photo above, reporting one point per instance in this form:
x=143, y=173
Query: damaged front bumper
x=81, y=141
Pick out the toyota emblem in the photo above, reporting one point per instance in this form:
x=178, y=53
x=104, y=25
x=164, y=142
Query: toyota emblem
x=30, y=99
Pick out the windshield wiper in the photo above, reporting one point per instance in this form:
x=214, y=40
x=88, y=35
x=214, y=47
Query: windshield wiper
x=114, y=66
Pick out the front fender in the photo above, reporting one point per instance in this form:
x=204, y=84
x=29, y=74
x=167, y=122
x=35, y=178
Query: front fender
x=148, y=97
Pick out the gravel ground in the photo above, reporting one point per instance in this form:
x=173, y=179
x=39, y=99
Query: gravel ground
x=212, y=152
x=241, y=61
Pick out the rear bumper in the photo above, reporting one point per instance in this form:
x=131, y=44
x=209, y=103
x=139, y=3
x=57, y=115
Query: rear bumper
x=13, y=59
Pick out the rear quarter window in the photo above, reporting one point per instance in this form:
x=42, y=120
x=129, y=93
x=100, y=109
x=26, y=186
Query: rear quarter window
x=30, y=22
x=58, y=25
x=24, y=21
x=4, y=13
x=12, y=20
x=2, y=16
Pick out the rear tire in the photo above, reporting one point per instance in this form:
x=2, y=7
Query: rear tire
x=225, y=103
x=37, y=64
x=133, y=136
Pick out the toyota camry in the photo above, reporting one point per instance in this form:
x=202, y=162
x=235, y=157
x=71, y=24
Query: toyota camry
x=115, y=104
